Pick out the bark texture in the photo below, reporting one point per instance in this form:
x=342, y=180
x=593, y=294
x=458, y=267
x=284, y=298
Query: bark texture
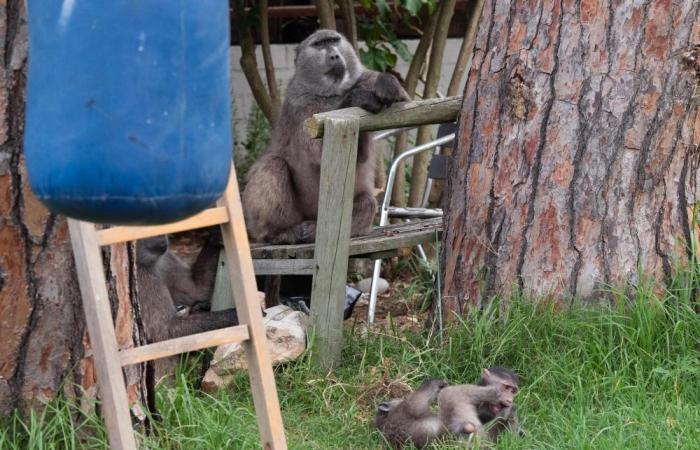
x=577, y=154
x=45, y=347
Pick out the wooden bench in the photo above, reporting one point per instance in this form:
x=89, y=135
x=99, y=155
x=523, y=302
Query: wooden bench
x=299, y=259
x=327, y=259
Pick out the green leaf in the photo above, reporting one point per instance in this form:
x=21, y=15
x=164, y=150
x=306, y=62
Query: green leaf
x=383, y=7
x=402, y=49
x=373, y=59
x=390, y=60
x=378, y=57
x=413, y=6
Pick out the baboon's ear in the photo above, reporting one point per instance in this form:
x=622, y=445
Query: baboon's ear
x=486, y=373
x=384, y=407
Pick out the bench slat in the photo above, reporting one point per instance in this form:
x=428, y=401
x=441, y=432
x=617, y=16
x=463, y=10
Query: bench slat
x=381, y=239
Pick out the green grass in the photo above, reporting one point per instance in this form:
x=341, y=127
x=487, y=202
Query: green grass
x=604, y=377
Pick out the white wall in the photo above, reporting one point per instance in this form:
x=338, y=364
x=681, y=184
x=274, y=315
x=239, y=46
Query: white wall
x=283, y=57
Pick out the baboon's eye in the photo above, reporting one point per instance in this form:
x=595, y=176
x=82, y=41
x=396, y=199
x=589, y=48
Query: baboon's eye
x=324, y=42
x=511, y=388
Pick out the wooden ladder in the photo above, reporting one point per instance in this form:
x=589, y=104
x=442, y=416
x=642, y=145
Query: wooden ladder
x=109, y=360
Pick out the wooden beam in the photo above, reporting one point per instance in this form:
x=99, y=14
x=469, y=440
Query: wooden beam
x=98, y=318
x=222, y=297
x=406, y=114
x=337, y=183
x=386, y=254
x=183, y=344
x=208, y=217
x=292, y=11
x=284, y=266
x=242, y=276
x=379, y=240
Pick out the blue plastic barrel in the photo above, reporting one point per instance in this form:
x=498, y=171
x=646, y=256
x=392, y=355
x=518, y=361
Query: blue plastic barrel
x=128, y=116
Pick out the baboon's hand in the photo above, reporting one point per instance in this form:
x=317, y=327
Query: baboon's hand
x=388, y=89
x=362, y=96
x=306, y=231
x=375, y=91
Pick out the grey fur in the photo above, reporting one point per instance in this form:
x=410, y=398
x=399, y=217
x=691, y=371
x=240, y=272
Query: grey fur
x=506, y=420
x=280, y=201
x=191, y=287
x=468, y=409
x=410, y=420
x=160, y=315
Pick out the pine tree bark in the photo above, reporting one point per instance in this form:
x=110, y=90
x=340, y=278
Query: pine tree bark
x=45, y=350
x=577, y=157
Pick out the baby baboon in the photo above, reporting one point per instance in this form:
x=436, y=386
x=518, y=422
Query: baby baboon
x=410, y=420
x=191, y=288
x=280, y=201
x=160, y=315
x=466, y=408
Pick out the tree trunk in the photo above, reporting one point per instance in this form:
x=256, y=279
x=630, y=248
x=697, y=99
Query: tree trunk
x=462, y=64
x=249, y=65
x=326, y=13
x=45, y=349
x=577, y=154
x=419, y=172
x=398, y=195
x=466, y=49
x=347, y=8
x=267, y=59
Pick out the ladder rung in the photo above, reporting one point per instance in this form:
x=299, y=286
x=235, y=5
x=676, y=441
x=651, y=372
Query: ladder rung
x=208, y=217
x=183, y=344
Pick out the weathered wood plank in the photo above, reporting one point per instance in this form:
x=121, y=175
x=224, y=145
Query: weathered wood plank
x=183, y=345
x=208, y=217
x=240, y=268
x=222, y=297
x=379, y=240
x=400, y=115
x=284, y=266
x=98, y=318
x=380, y=255
x=338, y=160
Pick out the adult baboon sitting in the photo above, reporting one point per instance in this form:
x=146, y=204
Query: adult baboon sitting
x=281, y=197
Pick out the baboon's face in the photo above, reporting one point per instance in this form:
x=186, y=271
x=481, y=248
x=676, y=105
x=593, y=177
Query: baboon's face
x=508, y=386
x=388, y=406
x=327, y=62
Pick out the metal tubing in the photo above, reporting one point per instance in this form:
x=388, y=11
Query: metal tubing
x=385, y=212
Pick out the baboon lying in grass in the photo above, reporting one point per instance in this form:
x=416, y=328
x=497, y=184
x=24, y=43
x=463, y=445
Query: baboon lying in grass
x=484, y=410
